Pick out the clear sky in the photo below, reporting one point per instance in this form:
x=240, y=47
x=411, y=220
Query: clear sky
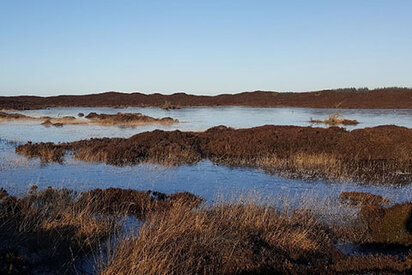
x=202, y=47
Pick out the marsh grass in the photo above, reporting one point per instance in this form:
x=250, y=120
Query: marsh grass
x=223, y=239
x=177, y=234
x=334, y=120
x=52, y=229
x=328, y=166
x=246, y=237
x=47, y=229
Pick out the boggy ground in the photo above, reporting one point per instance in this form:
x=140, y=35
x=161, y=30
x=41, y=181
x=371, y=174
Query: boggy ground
x=381, y=154
x=119, y=119
x=46, y=231
x=249, y=238
x=390, y=98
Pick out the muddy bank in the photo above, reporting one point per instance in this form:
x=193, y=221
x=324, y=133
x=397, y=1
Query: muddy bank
x=119, y=119
x=389, y=98
x=381, y=154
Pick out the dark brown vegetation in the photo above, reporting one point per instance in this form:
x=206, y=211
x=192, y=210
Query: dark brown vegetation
x=381, y=154
x=50, y=229
x=390, y=98
x=377, y=224
x=132, y=202
x=334, y=120
x=391, y=225
x=127, y=119
x=362, y=198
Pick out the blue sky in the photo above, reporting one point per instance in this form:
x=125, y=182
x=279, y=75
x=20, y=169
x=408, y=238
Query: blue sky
x=203, y=47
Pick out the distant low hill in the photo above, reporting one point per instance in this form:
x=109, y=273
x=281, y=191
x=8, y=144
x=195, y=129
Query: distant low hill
x=387, y=98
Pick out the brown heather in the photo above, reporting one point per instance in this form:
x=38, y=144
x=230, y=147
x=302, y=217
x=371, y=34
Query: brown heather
x=389, y=98
x=380, y=154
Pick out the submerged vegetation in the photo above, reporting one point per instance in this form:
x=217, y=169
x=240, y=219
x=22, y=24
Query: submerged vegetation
x=334, y=120
x=381, y=154
x=53, y=230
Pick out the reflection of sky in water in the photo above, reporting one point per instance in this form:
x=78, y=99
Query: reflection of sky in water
x=205, y=179
x=198, y=118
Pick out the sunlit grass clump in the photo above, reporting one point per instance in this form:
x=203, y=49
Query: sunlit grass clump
x=335, y=120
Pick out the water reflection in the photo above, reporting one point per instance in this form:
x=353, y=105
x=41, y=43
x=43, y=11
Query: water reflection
x=205, y=179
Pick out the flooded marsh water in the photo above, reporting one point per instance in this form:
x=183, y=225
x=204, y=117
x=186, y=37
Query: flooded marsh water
x=205, y=178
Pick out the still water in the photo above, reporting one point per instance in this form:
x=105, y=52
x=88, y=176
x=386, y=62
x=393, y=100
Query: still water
x=206, y=179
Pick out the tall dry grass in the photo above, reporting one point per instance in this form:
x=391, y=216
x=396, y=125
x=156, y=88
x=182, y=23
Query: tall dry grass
x=60, y=226
x=49, y=225
x=239, y=238
x=224, y=239
x=180, y=236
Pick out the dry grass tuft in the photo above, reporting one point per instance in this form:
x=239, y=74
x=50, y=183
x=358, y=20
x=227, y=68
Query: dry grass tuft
x=48, y=224
x=334, y=120
x=224, y=239
x=59, y=226
x=240, y=238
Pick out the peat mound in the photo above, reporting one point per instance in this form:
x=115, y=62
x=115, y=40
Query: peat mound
x=127, y=119
x=381, y=154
